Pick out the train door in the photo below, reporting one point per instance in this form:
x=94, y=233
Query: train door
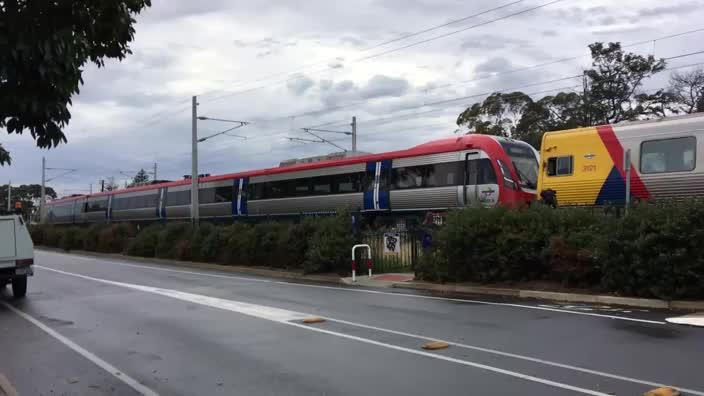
x=470, y=193
x=376, y=190
x=239, y=196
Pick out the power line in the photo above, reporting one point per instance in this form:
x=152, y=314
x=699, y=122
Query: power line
x=364, y=58
x=396, y=39
x=526, y=68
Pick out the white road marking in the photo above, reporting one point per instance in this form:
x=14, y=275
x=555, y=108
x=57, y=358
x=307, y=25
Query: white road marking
x=696, y=319
x=519, y=357
x=355, y=290
x=131, y=382
x=286, y=317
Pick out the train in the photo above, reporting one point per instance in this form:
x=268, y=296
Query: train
x=435, y=176
x=589, y=166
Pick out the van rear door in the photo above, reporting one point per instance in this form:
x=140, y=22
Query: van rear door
x=8, y=243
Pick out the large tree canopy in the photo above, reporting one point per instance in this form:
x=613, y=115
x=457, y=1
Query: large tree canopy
x=688, y=90
x=610, y=94
x=44, y=46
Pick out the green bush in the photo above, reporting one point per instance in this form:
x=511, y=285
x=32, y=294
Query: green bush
x=145, y=243
x=657, y=252
x=91, y=236
x=168, y=245
x=201, y=234
x=114, y=238
x=52, y=236
x=240, y=242
x=70, y=238
x=36, y=232
x=329, y=245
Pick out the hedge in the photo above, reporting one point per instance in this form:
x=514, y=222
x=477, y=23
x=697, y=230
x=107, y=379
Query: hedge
x=318, y=244
x=654, y=251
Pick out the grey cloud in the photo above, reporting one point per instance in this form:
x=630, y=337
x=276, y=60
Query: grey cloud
x=549, y=33
x=379, y=86
x=492, y=42
x=493, y=65
x=300, y=85
x=353, y=41
x=672, y=9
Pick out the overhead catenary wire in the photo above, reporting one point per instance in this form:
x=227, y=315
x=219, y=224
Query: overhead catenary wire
x=492, y=76
x=385, y=52
x=381, y=44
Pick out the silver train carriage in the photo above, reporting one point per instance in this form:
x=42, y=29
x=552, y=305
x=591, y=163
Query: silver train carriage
x=435, y=176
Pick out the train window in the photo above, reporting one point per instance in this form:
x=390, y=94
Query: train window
x=322, y=185
x=255, y=191
x=298, y=187
x=668, y=155
x=441, y=175
x=506, y=173
x=178, y=198
x=408, y=177
x=349, y=183
x=275, y=189
x=97, y=206
x=206, y=195
x=485, y=172
x=224, y=194
x=560, y=166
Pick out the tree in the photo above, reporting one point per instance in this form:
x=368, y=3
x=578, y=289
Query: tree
x=44, y=48
x=610, y=94
x=497, y=115
x=4, y=156
x=613, y=81
x=140, y=178
x=28, y=194
x=688, y=90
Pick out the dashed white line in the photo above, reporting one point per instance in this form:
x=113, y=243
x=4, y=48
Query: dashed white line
x=286, y=317
x=131, y=382
x=355, y=290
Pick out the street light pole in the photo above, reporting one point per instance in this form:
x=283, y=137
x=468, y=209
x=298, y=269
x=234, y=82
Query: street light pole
x=354, y=134
x=194, y=164
x=42, y=200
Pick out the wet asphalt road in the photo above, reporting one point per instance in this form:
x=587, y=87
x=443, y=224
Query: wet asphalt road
x=92, y=326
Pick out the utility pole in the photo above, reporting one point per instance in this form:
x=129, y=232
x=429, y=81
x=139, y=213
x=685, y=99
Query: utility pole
x=9, y=196
x=90, y=189
x=42, y=200
x=154, y=179
x=354, y=134
x=102, y=185
x=194, y=163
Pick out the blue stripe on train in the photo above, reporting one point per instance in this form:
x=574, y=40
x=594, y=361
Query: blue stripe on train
x=614, y=189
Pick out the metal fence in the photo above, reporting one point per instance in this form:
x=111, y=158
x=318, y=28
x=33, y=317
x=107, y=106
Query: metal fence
x=400, y=258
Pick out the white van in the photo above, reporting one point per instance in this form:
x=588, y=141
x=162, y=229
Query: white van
x=16, y=254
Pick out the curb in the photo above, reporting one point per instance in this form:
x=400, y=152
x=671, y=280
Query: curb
x=556, y=296
x=198, y=265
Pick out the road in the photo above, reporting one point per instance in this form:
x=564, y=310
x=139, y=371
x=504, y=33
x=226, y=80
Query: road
x=97, y=326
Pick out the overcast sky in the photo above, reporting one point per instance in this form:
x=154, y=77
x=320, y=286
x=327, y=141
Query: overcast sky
x=285, y=64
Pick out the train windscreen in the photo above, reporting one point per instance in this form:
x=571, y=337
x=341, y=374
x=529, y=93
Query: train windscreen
x=524, y=160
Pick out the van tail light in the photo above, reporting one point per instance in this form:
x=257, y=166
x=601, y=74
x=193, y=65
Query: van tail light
x=24, y=262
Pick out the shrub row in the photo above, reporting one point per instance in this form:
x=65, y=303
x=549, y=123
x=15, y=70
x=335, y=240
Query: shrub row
x=314, y=245
x=654, y=251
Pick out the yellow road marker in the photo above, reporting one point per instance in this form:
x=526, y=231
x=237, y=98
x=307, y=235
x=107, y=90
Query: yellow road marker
x=431, y=346
x=313, y=319
x=667, y=391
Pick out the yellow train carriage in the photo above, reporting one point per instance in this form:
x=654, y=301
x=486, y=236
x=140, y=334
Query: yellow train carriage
x=585, y=166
